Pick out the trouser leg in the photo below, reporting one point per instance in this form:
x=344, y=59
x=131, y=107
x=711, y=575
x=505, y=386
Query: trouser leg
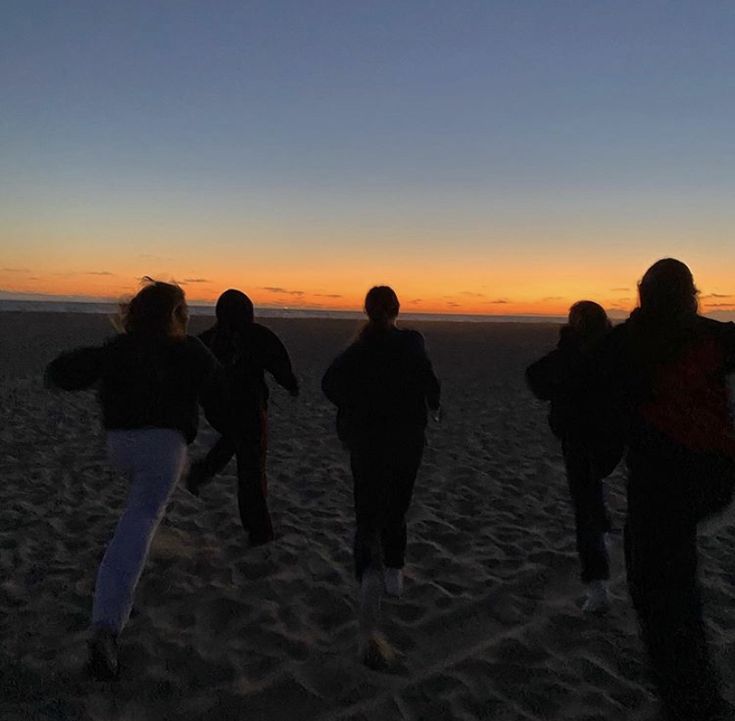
x=252, y=485
x=590, y=514
x=406, y=458
x=153, y=459
x=661, y=563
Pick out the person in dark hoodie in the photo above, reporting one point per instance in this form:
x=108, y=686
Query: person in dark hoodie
x=150, y=380
x=591, y=445
x=382, y=385
x=246, y=350
x=666, y=368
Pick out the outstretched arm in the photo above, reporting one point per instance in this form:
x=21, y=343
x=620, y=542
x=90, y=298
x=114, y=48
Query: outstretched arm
x=278, y=363
x=75, y=370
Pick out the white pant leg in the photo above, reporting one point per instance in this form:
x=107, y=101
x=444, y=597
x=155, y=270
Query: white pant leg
x=153, y=460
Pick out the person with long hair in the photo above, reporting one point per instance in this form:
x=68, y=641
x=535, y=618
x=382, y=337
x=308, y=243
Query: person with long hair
x=666, y=370
x=246, y=350
x=591, y=443
x=382, y=385
x=150, y=378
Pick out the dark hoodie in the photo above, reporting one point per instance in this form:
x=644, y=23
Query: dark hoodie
x=382, y=383
x=246, y=353
x=578, y=412
x=143, y=381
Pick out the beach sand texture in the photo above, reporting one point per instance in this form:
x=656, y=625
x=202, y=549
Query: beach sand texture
x=489, y=626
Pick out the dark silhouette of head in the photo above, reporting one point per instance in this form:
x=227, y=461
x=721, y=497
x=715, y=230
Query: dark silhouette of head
x=234, y=310
x=158, y=309
x=381, y=305
x=588, y=320
x=667, y=290
x=381, y=308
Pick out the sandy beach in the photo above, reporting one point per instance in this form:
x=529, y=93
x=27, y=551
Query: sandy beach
x=489, y=626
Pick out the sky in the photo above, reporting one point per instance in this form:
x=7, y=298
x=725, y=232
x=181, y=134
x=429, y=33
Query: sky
x=491, y=157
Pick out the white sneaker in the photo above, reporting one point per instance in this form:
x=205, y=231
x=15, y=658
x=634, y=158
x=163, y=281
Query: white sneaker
x=598, y=598
x=393, y=578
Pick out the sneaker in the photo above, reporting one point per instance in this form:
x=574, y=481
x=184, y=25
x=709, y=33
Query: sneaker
x=103, y=662
x=393, y=578
x=598, y=598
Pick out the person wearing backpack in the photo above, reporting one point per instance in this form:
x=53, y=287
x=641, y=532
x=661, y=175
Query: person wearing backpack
x=666, y=371
x=591, y=447
x=246, y=350
x=150, y=379
x=382, y=385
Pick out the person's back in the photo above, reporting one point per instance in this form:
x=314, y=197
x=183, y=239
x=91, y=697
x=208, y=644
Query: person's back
x=247, y=353
x=382, y=383
x=143, y=380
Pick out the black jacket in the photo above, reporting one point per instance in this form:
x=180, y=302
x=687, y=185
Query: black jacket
x=143, y=382
x=245, y=356
x=579, y=410
x=382, y=383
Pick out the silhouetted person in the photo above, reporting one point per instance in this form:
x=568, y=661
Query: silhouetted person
x=381, y=385
x=150, y=379
x=591, y=445
x=667, y=366
x=246, y=350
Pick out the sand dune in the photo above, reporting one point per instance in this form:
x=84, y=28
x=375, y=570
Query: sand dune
x=489, y=626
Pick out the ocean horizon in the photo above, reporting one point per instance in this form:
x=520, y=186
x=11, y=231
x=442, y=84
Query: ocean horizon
x=200, y=309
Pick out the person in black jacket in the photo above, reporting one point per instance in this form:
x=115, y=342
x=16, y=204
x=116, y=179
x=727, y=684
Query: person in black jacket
x=246, y=350
x=591, y=445
x=382, y=385
x=150, y=381
x=666, y=369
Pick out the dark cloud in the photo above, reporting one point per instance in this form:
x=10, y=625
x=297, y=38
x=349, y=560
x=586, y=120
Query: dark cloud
x=97, y=272
x=717, y=295
x=196, y=280
x=471, y=294
x=721, y=305
x=499, y=301
x=15, y=270
x=328, y=295
x=453, y=305
x=416, y=300
x=281, y=291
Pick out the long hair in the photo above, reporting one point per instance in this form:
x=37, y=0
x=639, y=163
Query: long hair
x=158, y=310
x=381, y=308
x=667, y=291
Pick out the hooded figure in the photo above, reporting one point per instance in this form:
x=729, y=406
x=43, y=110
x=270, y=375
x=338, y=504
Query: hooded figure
x=246, y=350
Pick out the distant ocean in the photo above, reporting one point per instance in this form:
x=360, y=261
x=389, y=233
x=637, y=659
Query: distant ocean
x=45, y=306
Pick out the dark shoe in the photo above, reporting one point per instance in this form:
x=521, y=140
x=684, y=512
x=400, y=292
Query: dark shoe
x=103, y=663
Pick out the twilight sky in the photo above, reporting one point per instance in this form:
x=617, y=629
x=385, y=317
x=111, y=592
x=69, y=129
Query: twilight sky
x=481, y=157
